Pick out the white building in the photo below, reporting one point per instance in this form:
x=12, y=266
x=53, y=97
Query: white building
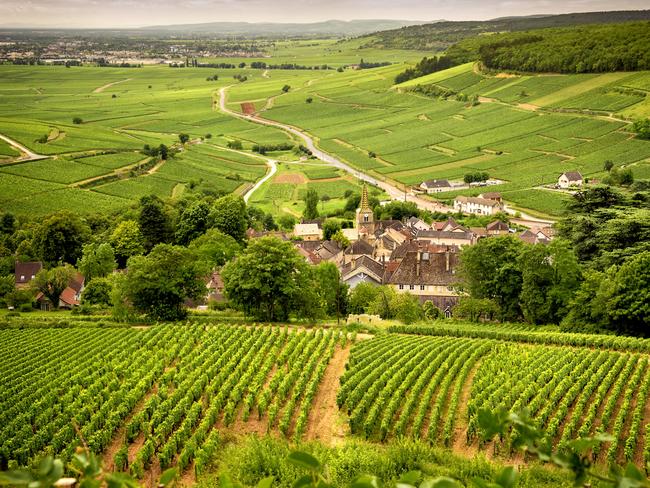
x=569, y=179
x=435, y=186
x=477, y=206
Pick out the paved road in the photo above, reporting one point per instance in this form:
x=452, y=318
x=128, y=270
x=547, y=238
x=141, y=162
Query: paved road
x=274, y=167
x=26, y=153
x=393, y=192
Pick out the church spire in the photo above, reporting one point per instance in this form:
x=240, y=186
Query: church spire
x=365, y=206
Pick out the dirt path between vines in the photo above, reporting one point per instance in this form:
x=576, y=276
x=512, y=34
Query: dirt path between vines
x=108, y=85
x=323, y=423
x=461, y=424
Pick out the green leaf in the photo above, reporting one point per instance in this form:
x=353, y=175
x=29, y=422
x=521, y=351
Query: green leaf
x=168, y=476
x=411, y=478
x=303, y=482
x=120, y=480
x=304, y=460
x=17, y=477
x=265, y=482
x=507, y=478
x=365, y=481
x=441, y=482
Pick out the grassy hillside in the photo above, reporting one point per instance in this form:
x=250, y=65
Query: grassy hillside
x=441, y=35
x=526, y=131
x=586, y=49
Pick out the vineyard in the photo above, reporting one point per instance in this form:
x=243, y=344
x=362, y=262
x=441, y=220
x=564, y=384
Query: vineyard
x=432, y=388
x=149, y=400
x=174, y=395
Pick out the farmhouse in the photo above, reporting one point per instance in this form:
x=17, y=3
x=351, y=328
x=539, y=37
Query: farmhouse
x=497, y=228
x=429, y=276
x=363, y=269
x=477, y=205
x=25, y=272
x=70, y=297
x=308, y=232
x=457, y=237
x=492, y=195
x=435, y=186
x=569, y=179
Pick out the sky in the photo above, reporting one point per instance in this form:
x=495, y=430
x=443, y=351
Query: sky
x=137, y=13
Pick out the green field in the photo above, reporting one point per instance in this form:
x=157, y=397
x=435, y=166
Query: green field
x=527, y=131
x=148, y=106
x=177, y=394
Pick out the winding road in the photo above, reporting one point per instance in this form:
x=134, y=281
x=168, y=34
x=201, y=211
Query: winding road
x=26, y=153
x=393, y=192
x=274, y=168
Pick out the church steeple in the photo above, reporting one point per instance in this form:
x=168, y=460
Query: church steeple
x=365, y=216
x=365, y=206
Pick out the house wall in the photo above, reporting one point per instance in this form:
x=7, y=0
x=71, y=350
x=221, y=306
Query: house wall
x=353, y=281
x=429, y=290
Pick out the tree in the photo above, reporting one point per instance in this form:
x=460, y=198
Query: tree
x=430, y=311
x=267, y=279
x=60, y=239
x=286, y=88
x=127, y=241
x=311, y=205
x=155, y=225
x=309, y=99
x=230, y=217
x=158, y=284
x=330, y=227
x=629, y=303
x=642, y=128
x=286, y=222
x=406, y=308
x=608, y=165
x=98, y=260
x=473, y=309
x=361, y=296
x=384, y=303
x=550, y=276
x=341, y=239
x=97, y=292
x=7, y=224
x=398, y=211
x=489, y=269
x=77, y=120
x=183, y=138
x=193, y=222
x=332, y=292
x=215, y=248
x=51, y=283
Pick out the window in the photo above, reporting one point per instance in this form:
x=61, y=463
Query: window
x=411, y=287
x=401, y=287
x=365, y=218
x=22, y=277
x=422, y=287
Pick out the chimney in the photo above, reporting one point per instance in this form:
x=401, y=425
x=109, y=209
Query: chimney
x=447, y=260
x=417, y=265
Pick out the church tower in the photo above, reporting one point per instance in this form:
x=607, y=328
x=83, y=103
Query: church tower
x=365, y=217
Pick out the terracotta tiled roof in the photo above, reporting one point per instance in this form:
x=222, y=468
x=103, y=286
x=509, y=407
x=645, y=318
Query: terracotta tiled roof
x=25, y=271
x=419, y=268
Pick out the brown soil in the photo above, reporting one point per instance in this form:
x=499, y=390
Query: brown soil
x=459, y=440
x=323, y=423
x=293, y=178
x=486, y=100
x=505, y=75
x=248, y=108
x=528, y=106
x=638, y=455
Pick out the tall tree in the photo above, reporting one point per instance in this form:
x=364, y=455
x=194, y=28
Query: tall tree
x=154, y=222
x=52, y=282
x=489, y=270
x=550, y=276
x=230, y=217
x=215, y=248
x=629, y=304
x=127, y=241
x=158, y=284
x=60, y=239
x=311, y=205
x=98, y=260
x=267, y=279
x=193, y=222
x=332, y=292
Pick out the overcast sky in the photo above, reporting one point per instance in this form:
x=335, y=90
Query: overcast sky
x=131, y=13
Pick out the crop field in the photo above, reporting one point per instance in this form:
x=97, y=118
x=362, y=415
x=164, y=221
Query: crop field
x=165, y=408
x=527, y=130
x=194, y=386
x=149, y=105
